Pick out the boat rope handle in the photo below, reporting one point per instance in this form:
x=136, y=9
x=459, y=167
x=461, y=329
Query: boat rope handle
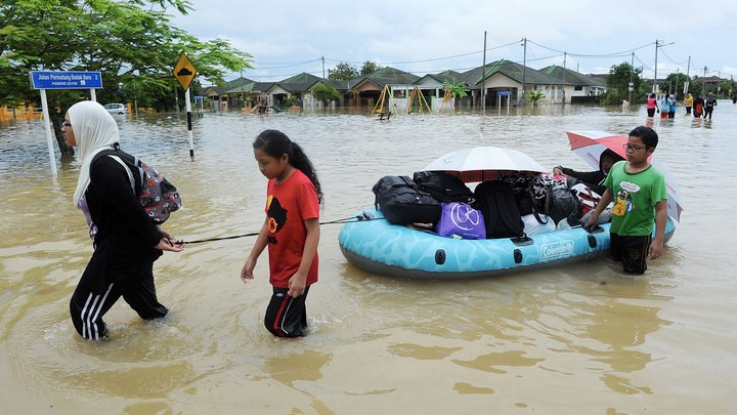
x=364, y=216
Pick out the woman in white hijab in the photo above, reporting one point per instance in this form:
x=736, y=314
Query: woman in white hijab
x=126, y=240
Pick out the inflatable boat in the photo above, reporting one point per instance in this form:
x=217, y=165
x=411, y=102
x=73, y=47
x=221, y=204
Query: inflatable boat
x=378, y=247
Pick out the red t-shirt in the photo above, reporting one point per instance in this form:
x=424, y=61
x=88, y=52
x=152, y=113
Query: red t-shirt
x=288, y=205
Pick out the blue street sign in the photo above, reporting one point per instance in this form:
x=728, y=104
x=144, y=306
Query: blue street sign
x=66, y=80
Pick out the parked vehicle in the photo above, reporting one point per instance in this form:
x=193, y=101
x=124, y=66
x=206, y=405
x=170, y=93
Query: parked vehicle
x=117, y=109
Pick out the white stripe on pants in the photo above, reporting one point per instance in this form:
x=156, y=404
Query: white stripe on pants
x=89, y=321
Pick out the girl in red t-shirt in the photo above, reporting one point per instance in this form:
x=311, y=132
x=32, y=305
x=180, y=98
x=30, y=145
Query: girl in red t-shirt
x=291, y=231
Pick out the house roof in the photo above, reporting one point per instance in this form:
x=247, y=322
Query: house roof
x=710, y=79
x=305, y=81
x=299, y=83
x=236, y=85
x=386, y=76
x=565, y=76
x=516, y=72
x=442, y=77
x=341, y=86
x=262, y=86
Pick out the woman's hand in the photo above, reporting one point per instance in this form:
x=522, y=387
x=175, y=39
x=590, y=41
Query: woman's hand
x=169, y=237
x=173, y=245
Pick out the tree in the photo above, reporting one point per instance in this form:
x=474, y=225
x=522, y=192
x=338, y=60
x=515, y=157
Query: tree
x=130, y=43
x=369, y=67
x=457, y=89
x=343, y=71
x=326, y=93
x=617, y=83
x=535, y=97
x=673, y=84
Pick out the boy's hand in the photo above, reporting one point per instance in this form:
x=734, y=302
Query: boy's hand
x=247, y=271
x=656, y=249
x=297, y=285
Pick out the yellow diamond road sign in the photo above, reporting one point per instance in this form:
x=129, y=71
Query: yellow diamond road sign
x=184, y=71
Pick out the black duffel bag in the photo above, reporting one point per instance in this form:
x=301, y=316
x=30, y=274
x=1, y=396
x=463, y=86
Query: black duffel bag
x=443, y=187
x=402, y=203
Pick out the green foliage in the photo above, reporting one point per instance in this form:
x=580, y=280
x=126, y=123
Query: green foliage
x=535, y=97
x=673, y=84
x=369, y=67
x=343, y=71
x=131, y=42
x=617, y=83
x=290, y=100
x=457, y=89
x=326, y=93
x=728, y=88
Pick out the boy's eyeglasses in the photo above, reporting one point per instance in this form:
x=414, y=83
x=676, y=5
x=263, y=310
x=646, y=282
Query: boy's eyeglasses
x=66, y=124
x=633, y=148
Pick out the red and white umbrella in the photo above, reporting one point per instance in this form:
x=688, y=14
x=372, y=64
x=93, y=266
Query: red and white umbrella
x=590, y=144
x=479, y=164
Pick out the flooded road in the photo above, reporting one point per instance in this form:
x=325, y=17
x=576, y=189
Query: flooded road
x=577, y=339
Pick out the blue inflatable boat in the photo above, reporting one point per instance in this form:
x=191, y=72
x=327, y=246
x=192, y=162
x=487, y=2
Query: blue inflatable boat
x=378, y=247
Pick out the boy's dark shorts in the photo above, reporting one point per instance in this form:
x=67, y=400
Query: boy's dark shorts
x=632, y=251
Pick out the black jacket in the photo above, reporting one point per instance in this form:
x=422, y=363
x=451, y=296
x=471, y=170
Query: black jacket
x=593, y=179
x=126, y=236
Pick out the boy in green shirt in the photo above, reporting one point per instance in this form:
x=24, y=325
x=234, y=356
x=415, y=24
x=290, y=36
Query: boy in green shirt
x=640, y=199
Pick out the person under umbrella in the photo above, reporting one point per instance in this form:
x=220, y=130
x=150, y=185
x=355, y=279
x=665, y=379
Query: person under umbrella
x=594, y=180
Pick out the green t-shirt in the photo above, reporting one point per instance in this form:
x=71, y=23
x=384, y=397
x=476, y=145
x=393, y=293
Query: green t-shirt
x=635, y=196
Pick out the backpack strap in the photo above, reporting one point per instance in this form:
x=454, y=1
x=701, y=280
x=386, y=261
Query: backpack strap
x=131, y=164
x=131, y=180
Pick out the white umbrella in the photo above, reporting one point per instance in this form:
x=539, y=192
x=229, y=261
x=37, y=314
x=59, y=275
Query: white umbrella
x=590, y=144
x=484, y=163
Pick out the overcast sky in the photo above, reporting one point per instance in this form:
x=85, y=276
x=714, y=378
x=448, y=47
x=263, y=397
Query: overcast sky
x=428, y=36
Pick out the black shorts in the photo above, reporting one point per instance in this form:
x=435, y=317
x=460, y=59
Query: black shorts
x=286, y=316
x=632, y=251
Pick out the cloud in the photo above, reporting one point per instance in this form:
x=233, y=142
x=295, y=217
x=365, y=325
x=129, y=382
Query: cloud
x=593, y=36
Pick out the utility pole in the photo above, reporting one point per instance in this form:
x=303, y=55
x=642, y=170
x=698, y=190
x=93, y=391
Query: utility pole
x=688, y=77
x=524, y=68
x=565, y=55
x=632, y=72
x=658, y=44
x=703, y=81
x=323, y=67
x=655, y=77
x=483, y=80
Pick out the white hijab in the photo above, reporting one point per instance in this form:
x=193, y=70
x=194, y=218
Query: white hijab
x=94, y=130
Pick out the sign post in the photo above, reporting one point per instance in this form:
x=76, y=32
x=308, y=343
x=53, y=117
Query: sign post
x=185, y=72
x=44, y=80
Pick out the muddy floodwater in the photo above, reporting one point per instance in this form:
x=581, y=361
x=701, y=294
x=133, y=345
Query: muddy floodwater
x=579, y=339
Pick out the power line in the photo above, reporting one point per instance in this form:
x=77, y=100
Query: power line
x=285, y=65
x=431, y=59
x=672, y=61
x=623, y=53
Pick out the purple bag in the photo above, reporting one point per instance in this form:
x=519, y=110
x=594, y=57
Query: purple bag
x=461, y=220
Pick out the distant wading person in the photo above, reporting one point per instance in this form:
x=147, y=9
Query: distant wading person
x=291, y=231
x=698, y=106
x=709, y=105
x=652, y=104
x=688, y=102
x=126, y=241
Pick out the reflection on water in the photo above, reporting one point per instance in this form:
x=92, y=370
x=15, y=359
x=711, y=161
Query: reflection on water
x=549, y=340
